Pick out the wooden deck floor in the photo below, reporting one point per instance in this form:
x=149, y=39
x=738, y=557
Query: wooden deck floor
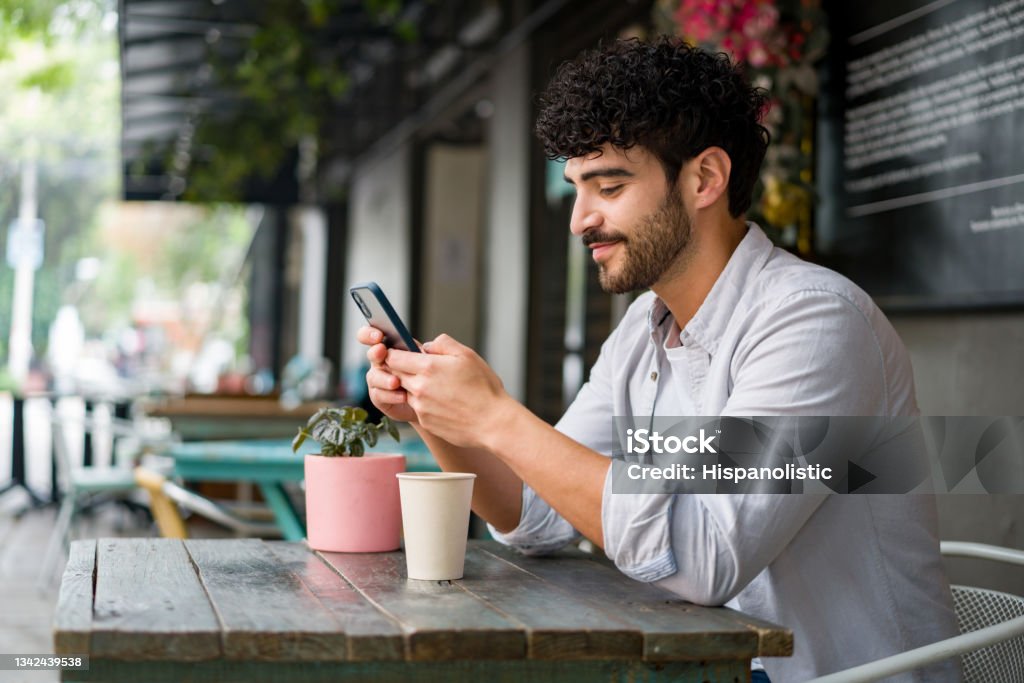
x=26, y=611
x=26, y=608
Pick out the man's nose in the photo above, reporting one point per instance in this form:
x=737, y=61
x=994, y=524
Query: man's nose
x=584, y=217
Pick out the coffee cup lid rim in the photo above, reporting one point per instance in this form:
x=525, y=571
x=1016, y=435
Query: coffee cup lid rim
x=436, y=476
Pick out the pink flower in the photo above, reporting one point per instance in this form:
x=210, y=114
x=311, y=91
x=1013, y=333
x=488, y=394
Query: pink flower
x=757, y=19
x=749, y=29
x=702, y=20
x=757, y=56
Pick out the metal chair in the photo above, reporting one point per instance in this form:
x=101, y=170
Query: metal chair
x=991, y=640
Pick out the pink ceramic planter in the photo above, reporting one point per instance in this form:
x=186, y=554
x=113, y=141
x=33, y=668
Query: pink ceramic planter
x=352, y=504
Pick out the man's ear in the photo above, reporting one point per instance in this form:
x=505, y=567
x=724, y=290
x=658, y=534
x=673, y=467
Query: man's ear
x=713, y=167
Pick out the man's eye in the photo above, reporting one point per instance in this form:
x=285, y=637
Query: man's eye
x=610, y=190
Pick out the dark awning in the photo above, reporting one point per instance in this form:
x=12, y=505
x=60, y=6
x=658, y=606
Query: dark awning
x=177, y=57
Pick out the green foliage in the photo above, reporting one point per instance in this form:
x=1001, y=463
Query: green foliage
x=384, y=10
x=58, y=70
x=343, y=431
x=7, y=383
x=52, y=77
x=205, y=245
x=108, y=302
x=213, y=244
x=21, y=20
x=288, y=84
x=48, y=22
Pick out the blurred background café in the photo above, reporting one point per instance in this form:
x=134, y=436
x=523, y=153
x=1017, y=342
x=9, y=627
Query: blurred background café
x=188, y=188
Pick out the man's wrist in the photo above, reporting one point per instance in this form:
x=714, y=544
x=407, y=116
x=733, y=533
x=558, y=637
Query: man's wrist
x=429, y=437
x=502, y=421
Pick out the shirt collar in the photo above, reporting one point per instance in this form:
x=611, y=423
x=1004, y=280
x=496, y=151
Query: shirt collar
x=708, y=325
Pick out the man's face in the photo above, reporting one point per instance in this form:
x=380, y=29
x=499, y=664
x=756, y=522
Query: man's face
x=634, y=223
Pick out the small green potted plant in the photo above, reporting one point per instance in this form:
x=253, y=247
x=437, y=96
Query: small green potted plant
x=352, y=500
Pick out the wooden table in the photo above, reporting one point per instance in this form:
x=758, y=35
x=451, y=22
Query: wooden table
x=248, y=610
x=268, y=463
x=203, y=417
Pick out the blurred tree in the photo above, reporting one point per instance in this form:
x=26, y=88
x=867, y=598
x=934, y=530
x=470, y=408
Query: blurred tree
x=47, y=22
x=59, y=70
x=175, y=266
x=62, y=56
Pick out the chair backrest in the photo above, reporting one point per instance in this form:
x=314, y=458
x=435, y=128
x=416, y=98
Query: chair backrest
x=62, y=457
x=59, y=425
x=977, y=608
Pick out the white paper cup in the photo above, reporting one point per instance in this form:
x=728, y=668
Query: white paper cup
x=435, y=521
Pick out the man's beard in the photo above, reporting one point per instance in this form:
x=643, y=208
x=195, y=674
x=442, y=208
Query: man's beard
x=652, y=249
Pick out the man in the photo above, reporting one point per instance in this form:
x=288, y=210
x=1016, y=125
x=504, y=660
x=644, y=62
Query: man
x=663, y=146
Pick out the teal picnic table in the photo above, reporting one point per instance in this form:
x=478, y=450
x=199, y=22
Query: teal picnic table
x=269, y=463
x=166, y=610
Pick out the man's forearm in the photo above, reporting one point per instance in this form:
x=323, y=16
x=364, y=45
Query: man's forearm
x=565, y=473
x=497, y=491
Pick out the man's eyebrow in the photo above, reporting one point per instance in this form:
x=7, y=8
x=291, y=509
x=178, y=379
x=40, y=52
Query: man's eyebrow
x=610, y=172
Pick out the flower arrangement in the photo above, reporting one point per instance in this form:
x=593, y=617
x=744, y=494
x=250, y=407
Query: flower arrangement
x=342, y=431
x=778, y=42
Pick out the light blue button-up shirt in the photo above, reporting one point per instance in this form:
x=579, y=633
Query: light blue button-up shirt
x=856, y=577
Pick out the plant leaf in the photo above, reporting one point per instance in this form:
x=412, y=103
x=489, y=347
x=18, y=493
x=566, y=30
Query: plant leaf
x=343, y=431
x=298, y=440
x=321, y=414
x=388, y=425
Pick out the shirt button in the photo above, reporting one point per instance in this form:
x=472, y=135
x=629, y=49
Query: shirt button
x=654, y=376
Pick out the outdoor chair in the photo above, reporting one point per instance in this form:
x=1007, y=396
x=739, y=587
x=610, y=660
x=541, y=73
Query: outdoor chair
x=85, y=487
x=167, y=498
x=991, y=640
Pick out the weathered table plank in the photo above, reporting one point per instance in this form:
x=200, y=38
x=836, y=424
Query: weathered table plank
x=372, y=636
x=149, y=603
x=772, y=641
x=265, y=611
x=702, y=634
x=440, y=620
x=73, y=622
x=559, y=625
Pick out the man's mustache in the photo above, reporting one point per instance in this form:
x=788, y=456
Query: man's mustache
x=601, y=237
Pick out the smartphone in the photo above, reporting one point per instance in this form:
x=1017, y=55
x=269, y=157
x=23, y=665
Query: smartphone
x=379, y=312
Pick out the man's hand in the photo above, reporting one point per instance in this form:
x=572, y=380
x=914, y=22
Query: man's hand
x=385, y=389
x=472, y=424
x=453, y=392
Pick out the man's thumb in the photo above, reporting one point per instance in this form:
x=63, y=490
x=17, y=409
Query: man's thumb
x=442, y=344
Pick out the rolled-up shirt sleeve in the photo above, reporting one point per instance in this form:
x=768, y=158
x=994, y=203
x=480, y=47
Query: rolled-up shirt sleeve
x=541, y=529
x=720, y=542
x=815, y=354
x=637, y=532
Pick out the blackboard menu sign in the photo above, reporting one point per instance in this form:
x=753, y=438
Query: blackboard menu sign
x=921, y=162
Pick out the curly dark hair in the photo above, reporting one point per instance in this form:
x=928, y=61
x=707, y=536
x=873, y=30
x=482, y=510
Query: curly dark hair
x=673, y=99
